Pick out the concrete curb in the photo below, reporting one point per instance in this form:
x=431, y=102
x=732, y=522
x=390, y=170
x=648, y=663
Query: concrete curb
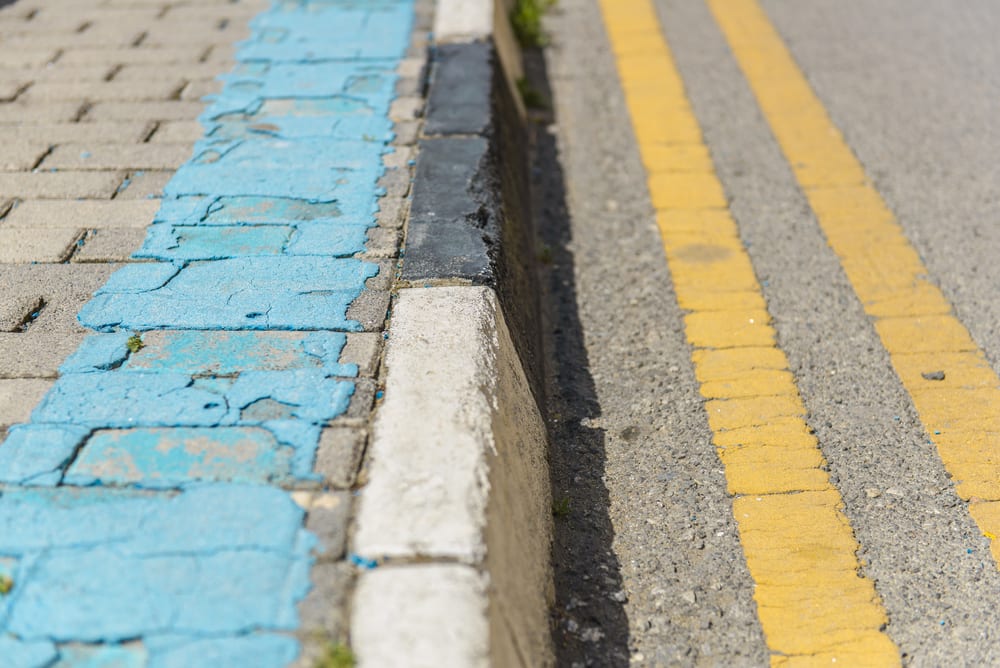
x=457, y=511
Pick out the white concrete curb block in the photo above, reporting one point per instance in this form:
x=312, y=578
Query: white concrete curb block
x=458, y=476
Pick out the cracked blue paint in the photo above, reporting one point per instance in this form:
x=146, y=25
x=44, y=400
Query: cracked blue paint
x=142, y=516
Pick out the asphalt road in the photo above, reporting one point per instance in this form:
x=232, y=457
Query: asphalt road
x=649, y=564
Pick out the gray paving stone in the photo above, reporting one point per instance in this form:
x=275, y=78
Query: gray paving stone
x=117, y=156
x=382, y=243
x=176, y=33
x=35, y=354
x=20, y=155
x=57, y=72
x=338, y=457
x=18, y=397
x=407, y=132
x=27, y=57
x=109, y=245
x=28, y=113
x=93, y=214
x=406, y=108
x=196, y=90
x=327, y=518
x=58, y=133
x=145, y=185
x=186, y=72
x=117, y=91
x=59, y=185
x=363, y=349
x=150, y=56
x=392, y=212
x=65, y=288
x=322, y=610
x=174, y=110
x=40, y=39
x=182, y=132
x=11, y=88
x=24, y=246
x=15, y=311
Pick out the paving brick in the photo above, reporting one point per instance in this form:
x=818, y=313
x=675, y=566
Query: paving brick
x=222, y=55
x=35, y=354
x=11, y=88
x=173, y=33
x=113, y=91
x=43, y=39
x=39, y=112
x=17, y=309
x=196, y=14
x=65, y=288
x=191, y=72
x=59, y=185
x=117, y=156
x=18, y=397
x=145, y=185
x=322, y=610
x=56, y=72
x=59, y=133
x=109, y=245
x=26, y=57
x=19, y=155
x=150, y=111
x=183, y=132
x=91, y=215
x=338, y=458
x=196, y=90
x=150, y=56
x=23, y=246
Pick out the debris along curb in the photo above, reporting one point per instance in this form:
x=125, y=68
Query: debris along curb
x=457, y=510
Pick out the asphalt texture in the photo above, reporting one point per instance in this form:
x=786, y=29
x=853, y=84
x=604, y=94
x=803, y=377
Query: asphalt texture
x=649, y=569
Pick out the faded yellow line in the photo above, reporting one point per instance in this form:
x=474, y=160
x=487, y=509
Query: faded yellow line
x=799, y=546
x=961, y=410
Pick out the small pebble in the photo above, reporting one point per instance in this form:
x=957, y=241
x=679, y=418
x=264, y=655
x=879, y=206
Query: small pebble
x=933, y=375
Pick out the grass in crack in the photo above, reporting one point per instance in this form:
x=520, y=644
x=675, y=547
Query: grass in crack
x=526, y=19
x=336, y=655
x=135, y=343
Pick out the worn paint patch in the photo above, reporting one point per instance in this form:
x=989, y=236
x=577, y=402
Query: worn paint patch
x=125, y=522
x=175, y=457
x=288, y=293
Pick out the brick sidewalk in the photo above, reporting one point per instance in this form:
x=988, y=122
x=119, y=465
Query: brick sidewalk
x=154, y=499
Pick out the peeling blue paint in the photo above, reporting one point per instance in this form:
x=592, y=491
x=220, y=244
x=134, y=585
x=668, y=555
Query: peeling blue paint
x=142, y=516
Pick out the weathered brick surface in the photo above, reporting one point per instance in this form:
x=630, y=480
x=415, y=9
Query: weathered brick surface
x=109, y=245
x=59, y=185
x=60, y=133
x=24, y=246
x=199, y=89
x=144, y=185
x=117, y=156
x=150, y=111
x=183, y=132
x=26, y=57
x=128, y=91
x=20, y=155
x=39, y=112
x=18, y=397
x=147, y=56
x=185, y=72
x=117, y=214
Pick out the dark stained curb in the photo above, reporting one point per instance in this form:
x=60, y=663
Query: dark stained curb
x=470, y=219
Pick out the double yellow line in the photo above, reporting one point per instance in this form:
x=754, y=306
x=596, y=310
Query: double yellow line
x=799, y=546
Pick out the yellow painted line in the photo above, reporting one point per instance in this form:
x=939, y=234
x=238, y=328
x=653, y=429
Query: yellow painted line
x=800, y=549
x=960, y=412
